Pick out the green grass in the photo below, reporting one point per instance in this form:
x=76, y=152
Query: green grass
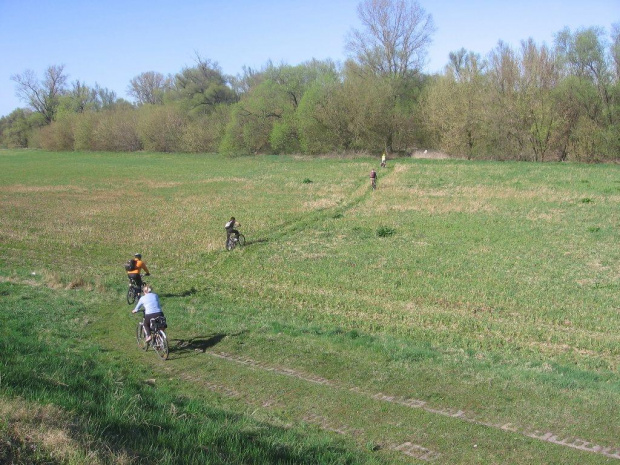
x=352, y=327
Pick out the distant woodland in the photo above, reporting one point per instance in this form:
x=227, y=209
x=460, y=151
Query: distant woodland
x=534, y=102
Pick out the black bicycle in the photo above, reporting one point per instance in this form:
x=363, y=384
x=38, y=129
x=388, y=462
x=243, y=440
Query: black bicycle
x=234, y=241
x=159, y=340
x=134, y=292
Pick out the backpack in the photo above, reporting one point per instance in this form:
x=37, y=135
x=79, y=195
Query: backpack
x=228, y=225
x=131, y=265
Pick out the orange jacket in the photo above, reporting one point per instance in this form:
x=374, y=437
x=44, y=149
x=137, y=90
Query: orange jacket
x=140, y=265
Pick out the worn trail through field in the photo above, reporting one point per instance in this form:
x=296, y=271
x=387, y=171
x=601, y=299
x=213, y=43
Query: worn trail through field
x=560, y=439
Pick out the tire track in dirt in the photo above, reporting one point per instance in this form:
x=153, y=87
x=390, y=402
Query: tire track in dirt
x=407, y=448
x=462, y=415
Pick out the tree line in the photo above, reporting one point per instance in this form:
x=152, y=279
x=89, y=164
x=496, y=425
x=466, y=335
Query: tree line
x=534, y=102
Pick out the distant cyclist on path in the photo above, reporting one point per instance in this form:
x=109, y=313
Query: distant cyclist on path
x=373, y=179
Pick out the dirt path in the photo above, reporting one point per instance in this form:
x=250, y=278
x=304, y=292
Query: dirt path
x=411, y=447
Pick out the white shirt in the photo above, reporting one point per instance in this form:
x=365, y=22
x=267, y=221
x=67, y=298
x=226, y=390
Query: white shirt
x=150, y=302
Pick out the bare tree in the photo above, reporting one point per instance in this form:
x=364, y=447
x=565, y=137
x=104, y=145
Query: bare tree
x=394, y=38
x=43, y=95
x=149, y=87
x=104, y=97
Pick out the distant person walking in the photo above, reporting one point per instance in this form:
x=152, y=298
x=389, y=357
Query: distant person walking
x=373, y=179
x=383, y=164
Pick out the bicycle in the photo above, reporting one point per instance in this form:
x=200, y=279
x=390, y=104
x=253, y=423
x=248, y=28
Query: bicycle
x=134, y=292
x=234, y=241
x=373, y=183
x=159, y=340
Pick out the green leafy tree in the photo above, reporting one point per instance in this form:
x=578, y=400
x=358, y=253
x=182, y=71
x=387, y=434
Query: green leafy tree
x=589, y=102
x=323, y=118
x=265, y=118
x=584, y=54
x=252, y=120
x=200, y=89
x=16, y=128
x=292, y=82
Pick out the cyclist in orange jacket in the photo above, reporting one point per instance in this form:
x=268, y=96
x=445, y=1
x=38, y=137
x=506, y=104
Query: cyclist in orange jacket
x=139, y=265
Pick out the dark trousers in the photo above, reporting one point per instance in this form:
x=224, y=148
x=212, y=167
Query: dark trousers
x=147, y=321
x=136, y=278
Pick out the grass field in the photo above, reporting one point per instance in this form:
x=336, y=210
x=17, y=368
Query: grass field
x=464, y=312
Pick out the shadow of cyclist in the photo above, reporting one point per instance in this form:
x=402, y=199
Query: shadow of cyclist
x=187, y=293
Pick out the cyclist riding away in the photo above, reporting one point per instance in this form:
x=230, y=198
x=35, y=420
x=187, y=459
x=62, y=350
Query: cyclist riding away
x=373, y=178
x=135, y=266
x=152, y=308
x=230, y=228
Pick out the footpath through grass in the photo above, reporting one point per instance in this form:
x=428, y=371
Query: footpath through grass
x=463, y=312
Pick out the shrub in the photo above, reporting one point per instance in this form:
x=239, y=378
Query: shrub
x=283, y=138
x=116, y=131
x=160, y=128
x=205, y=134
x=83, y=132
x=58, y=135
x=385, y=231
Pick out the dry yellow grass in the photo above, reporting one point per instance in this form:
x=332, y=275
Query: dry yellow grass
x=53, y=430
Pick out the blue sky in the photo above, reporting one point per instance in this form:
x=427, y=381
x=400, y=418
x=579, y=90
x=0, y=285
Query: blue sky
x=110, y=42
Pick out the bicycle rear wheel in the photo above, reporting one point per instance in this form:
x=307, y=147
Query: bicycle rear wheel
x=131, y=295
x=230, y=244
x=141, y=337
x=160, y=344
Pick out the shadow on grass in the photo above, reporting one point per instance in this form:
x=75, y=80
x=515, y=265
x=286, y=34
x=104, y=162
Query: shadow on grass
x=196, y=345
x=256, y=241
x=187, y=293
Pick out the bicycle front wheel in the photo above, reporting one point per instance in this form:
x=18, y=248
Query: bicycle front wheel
x=161, y=344
x=141, y=337
x=241, y=239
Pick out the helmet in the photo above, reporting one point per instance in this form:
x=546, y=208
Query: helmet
x=137, y=255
